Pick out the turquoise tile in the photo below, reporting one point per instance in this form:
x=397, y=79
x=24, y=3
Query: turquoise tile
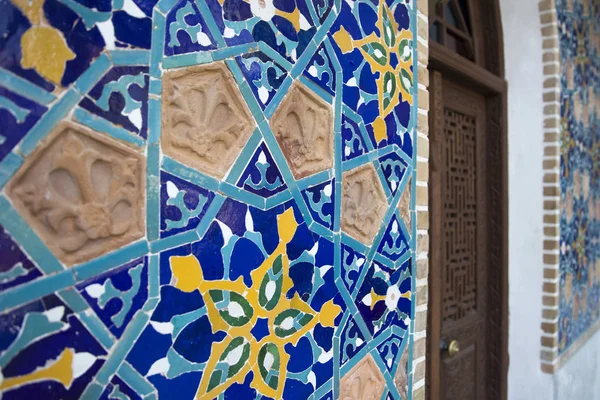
x=27, y=239
x=25, y=88
x=173, y=241
x=315, y=179
x=116, y=357
x=44, y=126
x=316, y=89
x=186, y=60
x=153, y=192
x=74, y=300
x=92, y=75
x=92, y=392
x=35, y=289
x=189, y=174
x=155, y=86
x=132, y=378
x=242, y=195
x=242, y=161
x=110, y=260
x=233, y=51
x=101, y=125
x=277, y=199
x=158, y=43
x=210, y=22
x=275, y=56
x=211, y=213
x=153, y=276
x=154, y=120
x=130, y=57
x=11, y=163
x=279, y=96
x=98, y=329
x=164, y=6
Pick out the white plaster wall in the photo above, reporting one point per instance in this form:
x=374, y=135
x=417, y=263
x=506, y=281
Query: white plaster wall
x=579, y=378
x=523, y=57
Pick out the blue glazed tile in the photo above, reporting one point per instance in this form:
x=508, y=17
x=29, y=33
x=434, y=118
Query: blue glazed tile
x=158, y=328
x=18, y=114
x=262, y=177
x=186, y=31
x=351, y=264
x=322, y=8
x=394, y=242
x=121, y=97
x=16, y=268
x=390, y=351
x=263, y=75
x=118, y=294
x=49, y=332
x=183, y=204
x=393, y=168
x=320, y=201
x=117, y=389
x=352, y=340
x=353, y=142
x=321, y=71
x=384, y=297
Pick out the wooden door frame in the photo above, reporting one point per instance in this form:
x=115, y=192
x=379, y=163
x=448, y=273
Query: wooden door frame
x=446, y=63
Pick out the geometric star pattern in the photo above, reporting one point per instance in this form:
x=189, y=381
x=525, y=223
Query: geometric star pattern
x=175, y=198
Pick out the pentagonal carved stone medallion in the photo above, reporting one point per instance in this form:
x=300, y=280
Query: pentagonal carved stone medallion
x=303, y=125
x=363, y=382
x=82, y=193
x=363, y=203
x=205, y=121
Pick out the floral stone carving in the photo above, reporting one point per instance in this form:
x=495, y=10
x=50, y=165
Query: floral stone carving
x=363, y=203
x=205, y=121
x=303, y=125
x=363, y=382
x=82, y=193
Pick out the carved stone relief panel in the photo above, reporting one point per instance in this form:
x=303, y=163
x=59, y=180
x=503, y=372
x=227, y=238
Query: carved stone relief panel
x=363, y=203
x=404, y=205
x=363, y=382
x=303, y=125
x=82, y=193
x=401, y=378
x=205, y=121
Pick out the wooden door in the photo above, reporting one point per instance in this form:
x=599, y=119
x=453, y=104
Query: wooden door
x=459, y=248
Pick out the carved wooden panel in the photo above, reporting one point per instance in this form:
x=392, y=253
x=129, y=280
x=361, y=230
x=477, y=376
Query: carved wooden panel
x=363, y=382
x=205, y=120
x=82, y=193
x=460, y=375
x=363, y=203
x=459, y=219
x=496, y=317
x=303, y=125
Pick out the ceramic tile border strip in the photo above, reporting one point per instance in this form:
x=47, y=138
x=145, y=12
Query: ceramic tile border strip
x=422, y=205
x=551, y=184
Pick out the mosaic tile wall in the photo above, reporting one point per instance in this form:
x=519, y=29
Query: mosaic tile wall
x=579, y=41
x=207, y=199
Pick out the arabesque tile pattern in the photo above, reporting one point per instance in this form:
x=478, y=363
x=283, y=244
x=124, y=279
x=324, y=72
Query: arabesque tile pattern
x=210, y=199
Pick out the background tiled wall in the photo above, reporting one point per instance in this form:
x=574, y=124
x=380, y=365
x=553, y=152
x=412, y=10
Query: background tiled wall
x=572, y=182
x=213, y=199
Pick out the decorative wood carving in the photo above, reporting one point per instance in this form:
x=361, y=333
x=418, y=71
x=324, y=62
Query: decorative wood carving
x=82, y=193
x=363, y=203
x=303, y=125
x=363, y=382
x=459, y=219
x=205, y=120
